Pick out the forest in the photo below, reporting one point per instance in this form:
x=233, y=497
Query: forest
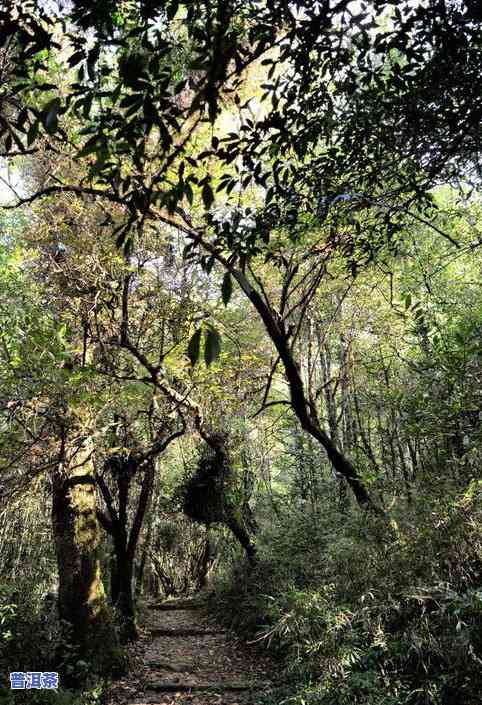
x=240, y=352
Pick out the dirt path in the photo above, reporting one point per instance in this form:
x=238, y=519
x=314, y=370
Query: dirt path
x=183, y=657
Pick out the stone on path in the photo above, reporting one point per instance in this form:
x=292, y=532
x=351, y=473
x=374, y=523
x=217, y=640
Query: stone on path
x=169, y=687
x=185, y=632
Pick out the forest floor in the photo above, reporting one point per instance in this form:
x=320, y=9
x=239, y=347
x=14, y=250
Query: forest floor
x=184, y=657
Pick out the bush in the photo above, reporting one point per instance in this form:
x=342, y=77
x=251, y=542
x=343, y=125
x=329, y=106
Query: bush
x=91, y=696
x=31, y=639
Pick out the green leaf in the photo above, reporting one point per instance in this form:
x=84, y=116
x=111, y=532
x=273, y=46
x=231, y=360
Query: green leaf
x=207, y=196
x=89, y=147
x=408, y=301
x=194, y=347
x=171, y=10
x=212, y=346
x=209, y=264
x=87, y=106
x=76, y=58
x=46, y=86
x=188, y=192
x=32, y=133
x=226, y=288
x=51, y=112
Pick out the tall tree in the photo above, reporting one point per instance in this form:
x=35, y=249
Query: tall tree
x=48, y=434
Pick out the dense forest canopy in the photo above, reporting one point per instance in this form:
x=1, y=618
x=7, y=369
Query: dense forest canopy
x=240, y=318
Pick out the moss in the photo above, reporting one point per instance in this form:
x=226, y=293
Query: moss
x=210, y=494
x=89, y=625
x=205, y=494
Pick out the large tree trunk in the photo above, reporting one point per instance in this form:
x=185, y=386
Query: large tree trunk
x=82, y=601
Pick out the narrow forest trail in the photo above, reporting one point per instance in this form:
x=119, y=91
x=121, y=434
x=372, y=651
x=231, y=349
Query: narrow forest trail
x=184, y=657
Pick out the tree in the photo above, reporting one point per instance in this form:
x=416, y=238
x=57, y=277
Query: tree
x=45, y=436
x=123, y=467
x=81, y=600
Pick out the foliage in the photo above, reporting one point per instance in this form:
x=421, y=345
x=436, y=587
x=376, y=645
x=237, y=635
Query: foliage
x=405, y=629
x=22, y=613
x=181, y=556
x=288, y=192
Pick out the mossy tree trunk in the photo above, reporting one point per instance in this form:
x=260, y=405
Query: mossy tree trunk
x=82, y=602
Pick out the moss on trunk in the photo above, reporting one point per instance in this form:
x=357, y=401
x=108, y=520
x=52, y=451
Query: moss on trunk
x=82, y=600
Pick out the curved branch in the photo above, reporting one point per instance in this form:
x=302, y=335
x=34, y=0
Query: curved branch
x=67, y=188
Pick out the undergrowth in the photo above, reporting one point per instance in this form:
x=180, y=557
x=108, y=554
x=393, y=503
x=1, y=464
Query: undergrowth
x=367, y=611
x=32, y=639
